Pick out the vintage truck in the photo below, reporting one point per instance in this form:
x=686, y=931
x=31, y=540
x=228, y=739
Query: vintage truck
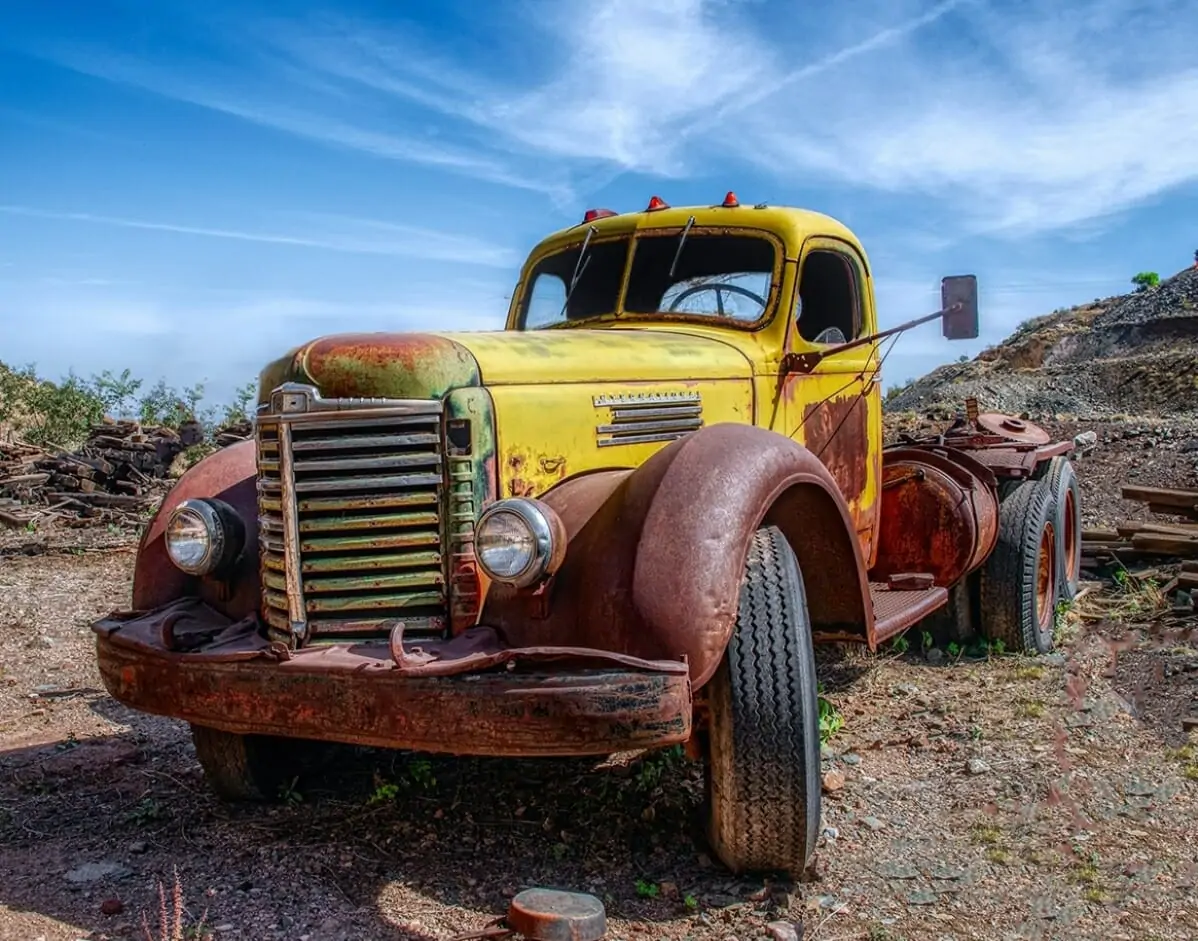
x=620, y=523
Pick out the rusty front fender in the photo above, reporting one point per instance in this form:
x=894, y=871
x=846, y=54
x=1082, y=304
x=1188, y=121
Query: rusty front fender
x=655, y=556
x=229, y=475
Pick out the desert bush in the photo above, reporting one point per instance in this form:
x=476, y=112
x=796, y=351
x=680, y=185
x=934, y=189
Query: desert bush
x=44, y=412
x=1145, y=280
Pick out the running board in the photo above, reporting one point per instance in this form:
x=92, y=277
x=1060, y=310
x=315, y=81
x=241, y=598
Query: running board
x=895, y=610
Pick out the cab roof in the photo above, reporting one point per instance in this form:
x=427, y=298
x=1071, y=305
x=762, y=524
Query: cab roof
x=791, y=224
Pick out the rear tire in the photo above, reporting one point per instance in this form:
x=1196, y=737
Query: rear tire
x=253, y=767
x=763, y=767
x=1020, y=577
x=1062, y=482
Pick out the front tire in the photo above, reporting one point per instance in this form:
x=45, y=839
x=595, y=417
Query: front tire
x=253, y=767
x=763, y=756
x=1020, y=577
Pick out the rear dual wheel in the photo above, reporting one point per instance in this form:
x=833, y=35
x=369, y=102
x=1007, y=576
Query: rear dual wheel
x=1020, y=579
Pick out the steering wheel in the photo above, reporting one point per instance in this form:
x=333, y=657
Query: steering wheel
x=719, y=301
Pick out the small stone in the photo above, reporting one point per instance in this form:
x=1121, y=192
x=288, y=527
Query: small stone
x=41, y=642
x=833, y=780
x=873, y=823
x=831, y=833
x=976, y=766
x=137, y=846
x=112, y=907
x=907, y=689
x=1053, y=659
x=94, y=872
x=826, y=751
x=934, y=656
x=782, y=931
x=851, y=759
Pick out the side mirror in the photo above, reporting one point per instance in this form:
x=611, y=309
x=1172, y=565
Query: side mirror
x=960, y=292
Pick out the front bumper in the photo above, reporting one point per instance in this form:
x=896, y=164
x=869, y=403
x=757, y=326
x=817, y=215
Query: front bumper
x=471, y=695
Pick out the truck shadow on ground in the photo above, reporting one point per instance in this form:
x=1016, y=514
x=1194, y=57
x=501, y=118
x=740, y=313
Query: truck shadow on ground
x=379, y=845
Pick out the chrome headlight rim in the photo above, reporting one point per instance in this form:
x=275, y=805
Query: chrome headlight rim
x=223, y=527
x=536, y=518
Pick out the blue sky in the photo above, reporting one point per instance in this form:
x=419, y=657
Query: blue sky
x=190, y=189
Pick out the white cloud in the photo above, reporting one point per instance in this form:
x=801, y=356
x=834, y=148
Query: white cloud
x=1032, y=118
x=330, y=232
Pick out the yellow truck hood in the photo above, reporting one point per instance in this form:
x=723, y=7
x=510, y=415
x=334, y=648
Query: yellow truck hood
x=429, y=365
x=511, y=358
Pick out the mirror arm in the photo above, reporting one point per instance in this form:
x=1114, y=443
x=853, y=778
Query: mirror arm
x=805, y=362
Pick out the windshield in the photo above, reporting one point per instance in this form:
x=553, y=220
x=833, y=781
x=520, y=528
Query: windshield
x=721, y=276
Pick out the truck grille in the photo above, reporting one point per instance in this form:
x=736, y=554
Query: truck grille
x=350, y=498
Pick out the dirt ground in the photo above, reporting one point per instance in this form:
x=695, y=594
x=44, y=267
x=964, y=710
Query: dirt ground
x=970, y=797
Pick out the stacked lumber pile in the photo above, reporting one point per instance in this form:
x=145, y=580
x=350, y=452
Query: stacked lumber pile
x=1157, y=542
x=231, y=434
x=111, y=477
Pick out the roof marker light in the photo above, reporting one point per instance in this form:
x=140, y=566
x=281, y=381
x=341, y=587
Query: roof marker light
x=593, y=214
x=656, y=203
x=730, y=201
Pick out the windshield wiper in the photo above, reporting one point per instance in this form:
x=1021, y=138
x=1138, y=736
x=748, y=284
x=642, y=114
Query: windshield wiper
x=579, y=267
x=681, y=242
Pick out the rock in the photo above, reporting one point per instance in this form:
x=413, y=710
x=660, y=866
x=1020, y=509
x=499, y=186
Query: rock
x=934, y=656
x=906, y=689
x=851, y=759
x=1053, y=659
x=873, y=823
x=976, y=766
x=112, y=907
x=831, y=833
x=41, y=642
x=833, y=780
x=94, y=872
x=782, y=931
x=137, y=846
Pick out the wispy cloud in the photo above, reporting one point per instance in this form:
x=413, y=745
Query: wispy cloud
x=1030, y=119
x=337, y=233
x=1034, y=120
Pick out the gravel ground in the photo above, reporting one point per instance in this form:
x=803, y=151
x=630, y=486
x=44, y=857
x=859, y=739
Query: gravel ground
x=971, y=798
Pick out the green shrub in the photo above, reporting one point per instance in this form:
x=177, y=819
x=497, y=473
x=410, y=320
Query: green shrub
x=1145, y=280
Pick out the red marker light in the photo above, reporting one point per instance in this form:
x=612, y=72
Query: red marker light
x=593, y=214
x=656, y=203
x=730, y=201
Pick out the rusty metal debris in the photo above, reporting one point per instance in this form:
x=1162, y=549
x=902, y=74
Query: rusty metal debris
x=547, y=915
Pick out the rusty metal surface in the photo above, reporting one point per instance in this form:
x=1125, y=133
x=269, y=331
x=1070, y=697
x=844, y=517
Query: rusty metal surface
x=939, y=515
x=229, y=475
x=550, y=705
x=895, y=611
x=556, y=915
x=837, y=432
x=655, y=557
x=1013, y=429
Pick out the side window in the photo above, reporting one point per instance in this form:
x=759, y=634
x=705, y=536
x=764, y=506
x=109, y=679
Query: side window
x=545, y=301
x=829, y=308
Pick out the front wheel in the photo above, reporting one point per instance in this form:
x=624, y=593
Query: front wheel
x=763, y=781
x=253, y=767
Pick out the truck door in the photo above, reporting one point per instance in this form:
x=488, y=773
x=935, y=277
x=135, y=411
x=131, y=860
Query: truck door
x=835, y=410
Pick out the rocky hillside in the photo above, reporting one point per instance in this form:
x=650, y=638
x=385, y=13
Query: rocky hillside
x=1132, y=355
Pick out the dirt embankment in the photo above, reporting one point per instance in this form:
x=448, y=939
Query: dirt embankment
x=1133, y=355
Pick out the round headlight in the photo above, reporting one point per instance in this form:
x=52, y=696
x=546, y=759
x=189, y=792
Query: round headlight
x=203, y=535
x=516, y=541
